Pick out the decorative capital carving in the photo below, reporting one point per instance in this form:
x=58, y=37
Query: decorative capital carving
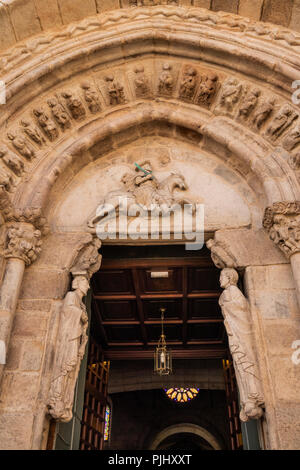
x=221, y=254
x=24, y=233
x=282, y=222
x=88, y=259
x=23, y=242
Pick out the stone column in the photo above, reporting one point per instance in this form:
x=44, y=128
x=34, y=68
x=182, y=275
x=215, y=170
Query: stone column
x=282, y=222
x=22, y=246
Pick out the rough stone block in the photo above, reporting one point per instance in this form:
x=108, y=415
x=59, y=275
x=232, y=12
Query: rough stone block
x=74, y=10
x=295, y=17
x=225, y=5
x=26, y=325
x=105, y=5
x=7, y=36
x=24, y=18
x=277, y=11
x=16, y=430
x=14, y=354
x=251, y=8
x=44, y=284
x=288, y=424
x=32, y=356
x=48, y=13
x=202, y=3
x=19, y=390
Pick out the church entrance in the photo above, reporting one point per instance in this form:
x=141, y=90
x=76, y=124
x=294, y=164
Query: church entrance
x=121, y=404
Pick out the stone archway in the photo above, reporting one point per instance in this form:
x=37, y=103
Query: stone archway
x=185, y=428
x=72, y=109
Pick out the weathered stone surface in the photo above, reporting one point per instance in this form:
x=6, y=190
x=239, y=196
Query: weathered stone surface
x=295, y=17
x=74, y=10
x=202, y=3
x=251, y=8
x=16, y=430
x=7, y=37
x=48, y=13
x=20, y=389
x=106, y=5
x=24, y=18
x=225, y=5
x=277, y=12
x=32, y=355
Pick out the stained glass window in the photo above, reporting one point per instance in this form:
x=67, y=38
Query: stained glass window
x=107, y=422
x=181, y=395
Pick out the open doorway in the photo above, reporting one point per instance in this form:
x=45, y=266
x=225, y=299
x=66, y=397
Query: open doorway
x=124, y=405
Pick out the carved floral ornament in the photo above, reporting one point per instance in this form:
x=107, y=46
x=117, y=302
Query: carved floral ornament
x=282, y=222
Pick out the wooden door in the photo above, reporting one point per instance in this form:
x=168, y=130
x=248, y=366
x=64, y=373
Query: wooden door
x=232, y=399
x=95, y=399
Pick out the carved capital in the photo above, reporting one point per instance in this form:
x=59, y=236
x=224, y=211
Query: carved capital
x=88, y=259
x=282, y=222
x=221, y=254
x=23, y=241
x=24, y=233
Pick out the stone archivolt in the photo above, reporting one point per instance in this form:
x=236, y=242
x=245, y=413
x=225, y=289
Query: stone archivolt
x=61, y=111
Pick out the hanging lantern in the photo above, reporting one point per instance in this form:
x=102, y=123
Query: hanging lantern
x=162, y=356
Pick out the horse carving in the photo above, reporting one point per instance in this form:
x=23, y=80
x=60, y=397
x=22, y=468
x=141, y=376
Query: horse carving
x=143, y=192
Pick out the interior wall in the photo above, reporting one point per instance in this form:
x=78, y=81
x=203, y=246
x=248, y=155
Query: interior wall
x=138, y=416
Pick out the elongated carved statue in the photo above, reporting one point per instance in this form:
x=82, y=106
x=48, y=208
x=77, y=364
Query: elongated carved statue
x=237, y=320
x=70, y=351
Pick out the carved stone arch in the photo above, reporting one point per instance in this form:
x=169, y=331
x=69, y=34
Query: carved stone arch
x=73, y=95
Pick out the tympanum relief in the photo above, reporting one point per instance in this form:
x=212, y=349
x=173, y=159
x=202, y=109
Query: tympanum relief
x=141, y=191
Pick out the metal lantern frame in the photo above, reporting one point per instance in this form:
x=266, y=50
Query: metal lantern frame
x=162, y=355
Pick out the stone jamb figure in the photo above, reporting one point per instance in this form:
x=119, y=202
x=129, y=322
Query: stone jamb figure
x=72, y=342
x=238, y=323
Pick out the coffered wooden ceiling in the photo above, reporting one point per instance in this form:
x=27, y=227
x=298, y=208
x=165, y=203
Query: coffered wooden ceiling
x=127, y=297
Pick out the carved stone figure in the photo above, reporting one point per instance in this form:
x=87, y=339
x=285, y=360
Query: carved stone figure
x=230, y=95
x=70, y=351
x=91, y=97
x=141, y=82
x=75, y=105
x=12, y=161
x=188, y=83
x=248, y=103
x=221, y=254
x=238, y=324
x=23, y=241
x=60, y=114
x=281, y=121
x=166, y=81
x=207, y=89
x=33, y=133
x=6, y=180
x=142, y=189
x=282, y=221
x=294, y=161
x=22, y=146
x=263, y=112
x=46, y=124
x=292, y=139
x=115, y=91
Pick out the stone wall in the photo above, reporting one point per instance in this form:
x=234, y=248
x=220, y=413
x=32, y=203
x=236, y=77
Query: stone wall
x=271, y=291
x=20, y=19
